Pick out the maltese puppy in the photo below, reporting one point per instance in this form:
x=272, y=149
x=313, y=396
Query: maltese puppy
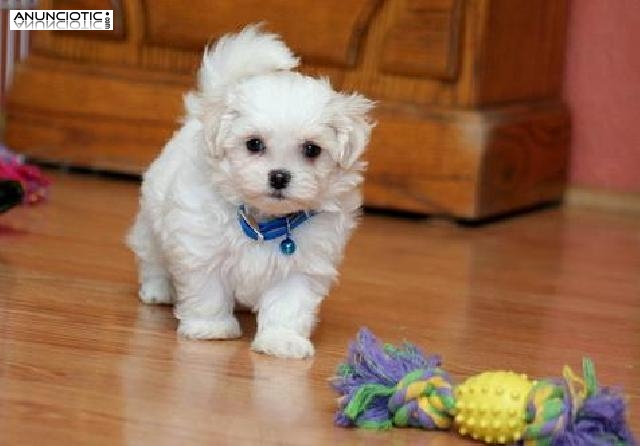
x=253, y=199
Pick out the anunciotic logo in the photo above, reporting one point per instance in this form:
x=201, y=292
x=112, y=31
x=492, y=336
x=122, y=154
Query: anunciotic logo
x=60, y=19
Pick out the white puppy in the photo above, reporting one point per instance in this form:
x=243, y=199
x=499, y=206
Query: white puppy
x=259, y=143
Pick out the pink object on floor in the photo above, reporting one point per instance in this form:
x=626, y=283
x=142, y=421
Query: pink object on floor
x=13, y=167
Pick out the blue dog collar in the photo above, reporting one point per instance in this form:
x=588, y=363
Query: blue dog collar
x=274, y=228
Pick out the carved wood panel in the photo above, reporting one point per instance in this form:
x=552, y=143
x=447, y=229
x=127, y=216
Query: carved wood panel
x=118, y=32
x=327, y=32
x=97, y=49
x=425, y=40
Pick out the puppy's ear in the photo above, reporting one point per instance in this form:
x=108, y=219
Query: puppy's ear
x=350, y=119
x=215, y=127
x=214, y=117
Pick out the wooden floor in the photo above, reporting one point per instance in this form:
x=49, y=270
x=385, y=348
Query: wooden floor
x=82, y=362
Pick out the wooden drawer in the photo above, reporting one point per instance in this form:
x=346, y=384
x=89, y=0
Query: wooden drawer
x=424, y=40
x=304, y=25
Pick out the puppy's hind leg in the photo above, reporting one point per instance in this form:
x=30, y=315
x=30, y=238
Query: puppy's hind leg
x=155, y=281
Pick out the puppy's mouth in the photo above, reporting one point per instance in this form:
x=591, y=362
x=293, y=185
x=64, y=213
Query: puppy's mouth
x=276, y=202
x=277, y=195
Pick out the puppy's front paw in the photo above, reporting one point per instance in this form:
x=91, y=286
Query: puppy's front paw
x=205, y=329
x=282, y=343
x=156, y=291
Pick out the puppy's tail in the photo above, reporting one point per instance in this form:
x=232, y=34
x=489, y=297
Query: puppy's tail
x=248, y=53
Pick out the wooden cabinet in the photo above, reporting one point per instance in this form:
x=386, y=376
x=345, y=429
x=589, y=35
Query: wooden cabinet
x=470, y=121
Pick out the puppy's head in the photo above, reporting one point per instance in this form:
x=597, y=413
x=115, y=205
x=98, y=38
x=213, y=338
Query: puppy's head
x=282, y=142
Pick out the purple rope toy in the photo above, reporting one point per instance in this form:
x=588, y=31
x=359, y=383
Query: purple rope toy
x=382, y=386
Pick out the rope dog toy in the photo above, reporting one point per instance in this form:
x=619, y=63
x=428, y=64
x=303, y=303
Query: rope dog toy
x=382, y=386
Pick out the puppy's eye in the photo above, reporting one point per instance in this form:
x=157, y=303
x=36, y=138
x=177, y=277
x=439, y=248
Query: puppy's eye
x=311, y=150
x=255, y=145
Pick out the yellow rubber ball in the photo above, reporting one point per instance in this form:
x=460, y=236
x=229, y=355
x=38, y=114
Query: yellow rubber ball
x=491, y=406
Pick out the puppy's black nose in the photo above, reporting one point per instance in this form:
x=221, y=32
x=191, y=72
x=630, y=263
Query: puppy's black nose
x=279, y=178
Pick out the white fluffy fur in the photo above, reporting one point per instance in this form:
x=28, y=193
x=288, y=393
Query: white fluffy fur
x=189, y=245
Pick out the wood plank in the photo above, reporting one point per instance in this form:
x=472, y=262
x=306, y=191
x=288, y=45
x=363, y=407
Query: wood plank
x=519, y=51
x=303, y=25
x=118, y=32
x=425, y=40
x=83, y=362
x=101, y=48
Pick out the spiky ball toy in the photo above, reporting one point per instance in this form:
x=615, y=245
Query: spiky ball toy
x=382, y=386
